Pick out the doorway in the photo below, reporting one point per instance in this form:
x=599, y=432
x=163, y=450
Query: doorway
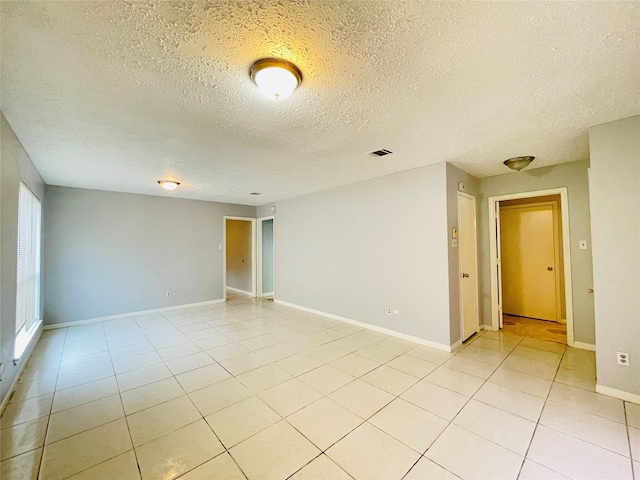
x=531, y=265
x=239, y=258
x=266, y=257
x=468, y=261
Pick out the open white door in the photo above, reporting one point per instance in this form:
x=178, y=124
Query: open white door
x=496, y=252
x=468, y=257
x=266, y=257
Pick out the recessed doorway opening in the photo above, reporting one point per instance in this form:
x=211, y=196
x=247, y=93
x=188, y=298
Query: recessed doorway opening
x=239, y=257
x=531, y=265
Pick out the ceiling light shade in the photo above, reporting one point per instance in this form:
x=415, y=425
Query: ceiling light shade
x=518, y=163
x=276, y=78
x=168, y=184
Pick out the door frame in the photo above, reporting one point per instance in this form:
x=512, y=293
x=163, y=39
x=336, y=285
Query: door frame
x=495, y=254
x=224, y=253
x=460, y=279
x=259, y=291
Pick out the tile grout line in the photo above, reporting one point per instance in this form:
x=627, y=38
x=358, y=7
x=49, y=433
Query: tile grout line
x=564, y=352
x=327, y=342
x=626, y=421
x=55, y=389
x=462, y=408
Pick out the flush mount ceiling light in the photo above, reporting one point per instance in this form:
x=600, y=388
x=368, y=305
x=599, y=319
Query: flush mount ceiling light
x=168, y=184
x=276, y=78
x=518, y=163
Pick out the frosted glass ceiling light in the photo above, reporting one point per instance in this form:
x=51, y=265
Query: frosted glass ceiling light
x=518, y=163
x=168, y=184
x=276, y=78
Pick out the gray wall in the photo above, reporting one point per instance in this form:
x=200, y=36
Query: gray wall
x=15, y=165
x=615, y=226
x=267, y=256
x=455, y=176
x=239, y=254
x=356, y=250
x=110, y=253
x=574, y=177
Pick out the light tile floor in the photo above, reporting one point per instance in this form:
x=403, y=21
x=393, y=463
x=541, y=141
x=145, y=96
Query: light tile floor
x=249, y=389
x=533, y=328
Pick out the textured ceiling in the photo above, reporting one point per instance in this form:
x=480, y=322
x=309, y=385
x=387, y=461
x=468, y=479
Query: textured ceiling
x=115, y=95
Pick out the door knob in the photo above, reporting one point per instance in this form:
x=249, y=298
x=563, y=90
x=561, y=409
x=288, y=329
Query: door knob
x=550, y=268
x=589, y=290
x=465, y=275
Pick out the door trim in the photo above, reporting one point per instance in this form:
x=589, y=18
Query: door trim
x=259, y=291
x=477, y=280
x=496, y=281
x=224, y=253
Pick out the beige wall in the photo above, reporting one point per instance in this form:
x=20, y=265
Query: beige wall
x=615, y=224
x=239, y=255
x=573, y=176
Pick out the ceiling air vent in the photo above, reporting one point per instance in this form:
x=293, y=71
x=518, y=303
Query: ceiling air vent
x=380, y=153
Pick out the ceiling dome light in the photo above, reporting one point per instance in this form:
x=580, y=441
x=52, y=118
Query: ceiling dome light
x=518, y=163
x=276, y=78
x=168, y=184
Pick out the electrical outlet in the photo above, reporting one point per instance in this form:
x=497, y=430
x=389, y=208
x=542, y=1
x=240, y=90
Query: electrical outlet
x=622, y=358
x=168, y=293
x=294, y=291
x=389, y=311
x=219, y=247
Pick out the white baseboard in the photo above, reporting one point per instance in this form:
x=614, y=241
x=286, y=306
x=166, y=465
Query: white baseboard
x=621, y=394
x=130, y=314
x=237, y=290
x=585, y=346
x=455, y=345
x=23, y=361
x=486, y=327
x=386, y=331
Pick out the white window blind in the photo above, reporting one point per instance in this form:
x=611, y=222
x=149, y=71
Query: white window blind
x=28, y=277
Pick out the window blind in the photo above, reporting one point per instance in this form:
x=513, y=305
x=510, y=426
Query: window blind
x=28, y=275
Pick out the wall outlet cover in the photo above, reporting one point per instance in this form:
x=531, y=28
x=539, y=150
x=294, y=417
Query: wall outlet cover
x=622, y=358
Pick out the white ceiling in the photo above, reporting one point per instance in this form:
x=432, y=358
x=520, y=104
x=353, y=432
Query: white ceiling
x=116, y=95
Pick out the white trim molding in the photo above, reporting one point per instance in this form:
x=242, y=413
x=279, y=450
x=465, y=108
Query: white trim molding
x=53, y=326
x=585, y=346
x=386, y=331
x=621, y=394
